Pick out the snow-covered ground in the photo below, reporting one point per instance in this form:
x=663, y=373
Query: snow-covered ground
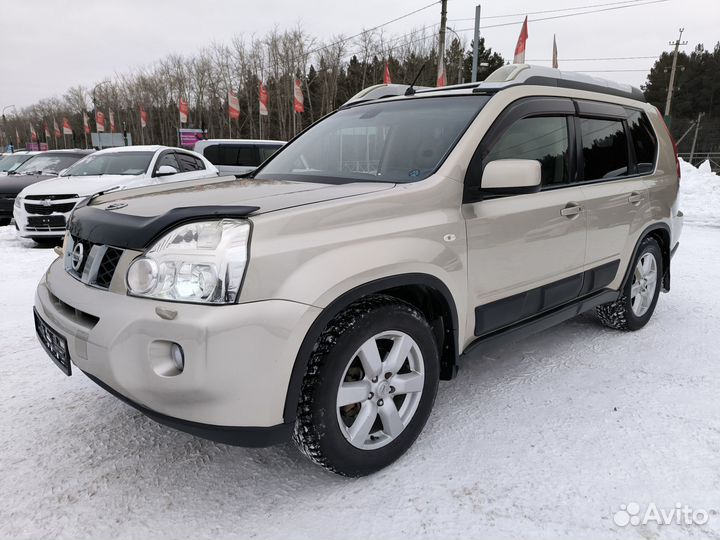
x=542, y=438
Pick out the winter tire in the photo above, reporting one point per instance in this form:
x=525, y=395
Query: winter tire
x=369, y=387
x=638, y=298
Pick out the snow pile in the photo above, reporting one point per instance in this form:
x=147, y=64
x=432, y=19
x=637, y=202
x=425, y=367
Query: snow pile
x=699, y=194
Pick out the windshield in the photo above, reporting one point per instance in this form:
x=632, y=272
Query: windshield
x=47, y=163
x=395, y=141
x=8, y=163
x=124, y=163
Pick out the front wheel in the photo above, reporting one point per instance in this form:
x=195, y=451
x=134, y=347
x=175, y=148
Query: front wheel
x=369, y=387
x=639, y=297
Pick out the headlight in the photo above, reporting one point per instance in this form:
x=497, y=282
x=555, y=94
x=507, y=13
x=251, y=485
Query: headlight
x=201, y=262
x=17, y=202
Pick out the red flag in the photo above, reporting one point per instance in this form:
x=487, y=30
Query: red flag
x=143, y=117
x=112, y=122
x=33, y=135
x=86, y=124
x=47, y=130
x=298, y=99
x=520, y=47
x=233, y=106
x=264, y=99
x=56, y=128
x=100, y=121
x=386, y=75
x=555, y=60
x=184, y=111
x=67, y=130
x=442, y=78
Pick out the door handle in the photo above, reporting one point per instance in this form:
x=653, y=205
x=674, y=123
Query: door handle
x=571, y=210
x=635, y=198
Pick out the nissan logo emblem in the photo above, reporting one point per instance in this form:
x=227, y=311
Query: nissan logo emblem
x=76, y=257
x=116, y=205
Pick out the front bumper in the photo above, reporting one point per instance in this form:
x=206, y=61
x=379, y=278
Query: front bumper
x=40, y=231
x=6, y=206
x=238, y=358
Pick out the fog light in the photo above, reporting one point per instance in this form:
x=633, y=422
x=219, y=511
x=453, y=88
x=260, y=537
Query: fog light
x=178, y=356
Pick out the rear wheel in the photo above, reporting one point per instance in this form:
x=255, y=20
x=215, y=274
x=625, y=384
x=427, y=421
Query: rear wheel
x=369, y=387
x=639, y=297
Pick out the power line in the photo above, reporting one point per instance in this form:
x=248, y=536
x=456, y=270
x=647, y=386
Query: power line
x=568, y=15
x=610, y=70
x=595, y=59
x=550, y=10
x=339, y=42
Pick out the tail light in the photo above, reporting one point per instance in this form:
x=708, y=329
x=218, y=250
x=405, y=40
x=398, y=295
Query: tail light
x=675, y=146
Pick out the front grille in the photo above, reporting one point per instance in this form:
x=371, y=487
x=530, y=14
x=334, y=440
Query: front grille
x=42, y=210
x=107, y=267
x=46, y=222
x=93, y=264
x=51, y=197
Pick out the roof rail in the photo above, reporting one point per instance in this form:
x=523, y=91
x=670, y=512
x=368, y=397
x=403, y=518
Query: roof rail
x=515, y=74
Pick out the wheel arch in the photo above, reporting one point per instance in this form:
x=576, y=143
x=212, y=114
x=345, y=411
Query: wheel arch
x=661, y=233
x=424, y=291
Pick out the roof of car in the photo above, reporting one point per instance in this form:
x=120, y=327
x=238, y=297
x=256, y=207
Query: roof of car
x=241, y=141
x=76, y=151
x=136, y=148
x=505, y=77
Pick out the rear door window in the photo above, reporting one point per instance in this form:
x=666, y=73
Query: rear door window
x=604, y=149
x=544, y=139
x=190, y=163
x=644, y=141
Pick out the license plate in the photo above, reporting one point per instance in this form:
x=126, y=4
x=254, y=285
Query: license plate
x=54, y=344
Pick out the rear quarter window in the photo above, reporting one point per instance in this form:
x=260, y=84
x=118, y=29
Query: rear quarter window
x=644, y=141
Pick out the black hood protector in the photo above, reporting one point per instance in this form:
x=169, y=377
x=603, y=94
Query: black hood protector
x=126, y=231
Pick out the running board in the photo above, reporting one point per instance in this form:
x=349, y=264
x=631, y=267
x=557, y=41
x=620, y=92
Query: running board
x=544, y=320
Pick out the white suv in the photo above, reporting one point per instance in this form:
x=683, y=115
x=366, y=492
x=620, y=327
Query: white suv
x=42, y=209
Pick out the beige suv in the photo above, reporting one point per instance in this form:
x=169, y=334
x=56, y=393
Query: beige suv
x=323, y=297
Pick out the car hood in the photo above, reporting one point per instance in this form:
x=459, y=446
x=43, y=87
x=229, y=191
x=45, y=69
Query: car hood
x=82, y=185
x=266, y=195
x=14, y=183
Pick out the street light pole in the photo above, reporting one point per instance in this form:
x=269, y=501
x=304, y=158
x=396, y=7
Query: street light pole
x=459, y=81
x=476, y=44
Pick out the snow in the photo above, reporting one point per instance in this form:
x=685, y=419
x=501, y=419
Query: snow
x=699, y=194
x=540, y=438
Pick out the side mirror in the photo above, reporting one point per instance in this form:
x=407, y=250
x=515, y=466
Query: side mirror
x=166, y=170
x=511, y=177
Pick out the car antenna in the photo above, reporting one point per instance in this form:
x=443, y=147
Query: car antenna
x=411, y=91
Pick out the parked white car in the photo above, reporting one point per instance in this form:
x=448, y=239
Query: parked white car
x=41, y=210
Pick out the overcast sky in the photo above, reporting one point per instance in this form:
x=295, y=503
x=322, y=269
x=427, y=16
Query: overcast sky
x=48, y=45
